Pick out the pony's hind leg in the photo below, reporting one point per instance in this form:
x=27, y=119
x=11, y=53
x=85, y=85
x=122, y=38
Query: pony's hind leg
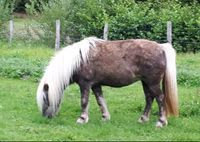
x=156, y=91
x=97, y=90
x=162, y=121
x=149, y=100
x=84, y=104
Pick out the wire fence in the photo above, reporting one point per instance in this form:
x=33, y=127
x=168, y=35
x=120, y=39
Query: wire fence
x=36, y=32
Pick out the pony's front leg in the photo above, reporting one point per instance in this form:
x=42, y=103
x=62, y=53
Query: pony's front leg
x=84, y=105
x=97, y=90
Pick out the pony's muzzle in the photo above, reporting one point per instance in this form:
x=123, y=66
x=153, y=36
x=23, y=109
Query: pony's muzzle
x=48, y=113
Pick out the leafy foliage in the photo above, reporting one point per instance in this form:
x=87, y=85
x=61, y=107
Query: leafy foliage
x=126, y=18
x=4, y=14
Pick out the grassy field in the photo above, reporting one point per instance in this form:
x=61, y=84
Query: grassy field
x=21, y=120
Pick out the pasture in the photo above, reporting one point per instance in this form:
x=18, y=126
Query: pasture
x=21, y=120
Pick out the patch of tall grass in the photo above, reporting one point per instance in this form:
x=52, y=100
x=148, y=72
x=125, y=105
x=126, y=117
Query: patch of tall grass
x=28, y=60
x=23, y=61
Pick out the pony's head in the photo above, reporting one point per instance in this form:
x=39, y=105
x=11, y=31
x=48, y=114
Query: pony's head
x=47, y=104
x=47, y=109
x=58, y=73
x=51, y=87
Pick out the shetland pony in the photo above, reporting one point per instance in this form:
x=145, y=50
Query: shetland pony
x=93, y=63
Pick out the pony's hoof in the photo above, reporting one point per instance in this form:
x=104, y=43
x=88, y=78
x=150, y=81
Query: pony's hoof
x=160, y=124
x=82, y=120
x=143, y=119
x=105, y=117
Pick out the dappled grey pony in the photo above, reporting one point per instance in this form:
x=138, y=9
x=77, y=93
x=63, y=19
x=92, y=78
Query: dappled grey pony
x=93, y=62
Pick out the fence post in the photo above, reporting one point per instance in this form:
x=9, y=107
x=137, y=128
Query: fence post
x=169, y=32
x=57, y=41
x=11, y=30
x=105, y=31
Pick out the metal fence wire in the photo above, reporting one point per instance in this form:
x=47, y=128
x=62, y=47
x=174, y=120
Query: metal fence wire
x=36, y=32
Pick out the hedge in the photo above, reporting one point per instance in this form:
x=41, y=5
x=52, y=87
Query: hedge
x=126, y=18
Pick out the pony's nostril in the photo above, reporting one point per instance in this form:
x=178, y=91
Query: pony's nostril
x=49, y=116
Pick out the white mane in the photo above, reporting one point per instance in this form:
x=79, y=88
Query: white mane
x=61, y=68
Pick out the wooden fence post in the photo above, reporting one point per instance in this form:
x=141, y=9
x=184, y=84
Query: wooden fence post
x=57, y=41
x=11, y=30
x=169, y=32
x=105, y=32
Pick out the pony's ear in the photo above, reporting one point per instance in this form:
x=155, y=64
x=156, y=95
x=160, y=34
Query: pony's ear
x=46, y=88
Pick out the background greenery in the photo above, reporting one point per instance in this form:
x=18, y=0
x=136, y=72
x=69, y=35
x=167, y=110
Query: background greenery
x=126, y=18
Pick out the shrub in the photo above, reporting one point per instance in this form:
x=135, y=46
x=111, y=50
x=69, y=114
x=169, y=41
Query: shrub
x=4, y=16
x=145, y=20
x=127, y=19
x=79, y=18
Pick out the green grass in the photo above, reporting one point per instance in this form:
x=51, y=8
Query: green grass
x=21, y=49
x=189, y=62
x=21, y=120
x=188, y=69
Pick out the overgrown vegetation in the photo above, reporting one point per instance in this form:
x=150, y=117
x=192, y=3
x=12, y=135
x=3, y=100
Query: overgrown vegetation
x=23, y=61
x=27, y=61
x=5, y=12
x=21, y=68
x=127, y=19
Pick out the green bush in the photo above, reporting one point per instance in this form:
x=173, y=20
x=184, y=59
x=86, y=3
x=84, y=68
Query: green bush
x=4, y=16
x=79, y=18
x=145, y=20
x=127, y=19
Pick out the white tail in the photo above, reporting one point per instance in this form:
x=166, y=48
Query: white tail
x=170, y=81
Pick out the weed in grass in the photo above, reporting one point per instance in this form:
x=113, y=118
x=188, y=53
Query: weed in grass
x=21, y=68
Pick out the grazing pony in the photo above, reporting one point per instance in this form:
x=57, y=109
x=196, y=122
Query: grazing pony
x=93, y=62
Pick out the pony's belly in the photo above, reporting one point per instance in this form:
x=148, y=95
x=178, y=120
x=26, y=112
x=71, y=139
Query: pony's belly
x=119, y=81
